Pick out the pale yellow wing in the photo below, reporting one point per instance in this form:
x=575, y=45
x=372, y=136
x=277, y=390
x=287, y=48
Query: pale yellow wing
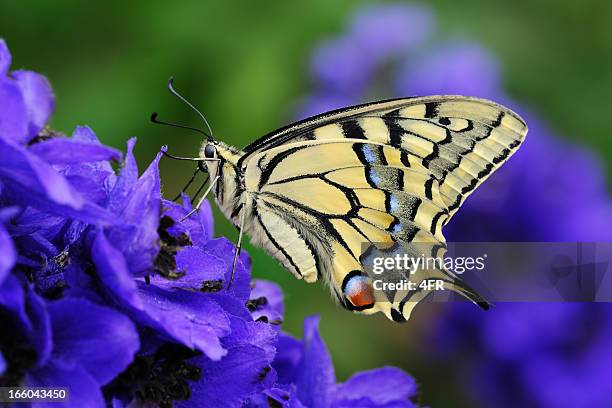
x=385, y=173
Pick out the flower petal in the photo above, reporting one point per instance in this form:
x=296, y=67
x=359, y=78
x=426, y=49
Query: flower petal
x=198, y=266
x=61, y=150
x=84, y=134
x=315, y=374
x=40, y=320
x=13, y=115
x=101, y=172
x=190, y=318
x=113, y=271
x=29, y=180
x=81, y=284
x=31, y=320
x=2, y=363
x=32, y=172
x=273, y=309
x=145, y=193
x=38, y=97
x=104, y=343
x=8, y=256
x=285, y=398
x=12, y=299
x=230, y=381
x=288, y=357
x=141, y=210
x=84, y=390
x=126, y=180
x=5, y=58
x=257, y=334
x=381, y=386
x=231, y=305
x=341, y=65
x=201, y=227
x=224, y=249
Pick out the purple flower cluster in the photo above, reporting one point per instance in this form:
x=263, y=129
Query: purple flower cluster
x=540, y=355
x=103, y=289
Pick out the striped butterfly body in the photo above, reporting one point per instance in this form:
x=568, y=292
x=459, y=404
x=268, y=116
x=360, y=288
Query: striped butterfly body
x=387, y=173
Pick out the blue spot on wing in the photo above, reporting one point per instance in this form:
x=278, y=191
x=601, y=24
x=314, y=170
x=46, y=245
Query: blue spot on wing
x=369, y=153
x=375, y=177
x=394, y=203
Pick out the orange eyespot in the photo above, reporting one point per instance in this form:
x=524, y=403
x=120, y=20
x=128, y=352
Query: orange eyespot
x=359, y=292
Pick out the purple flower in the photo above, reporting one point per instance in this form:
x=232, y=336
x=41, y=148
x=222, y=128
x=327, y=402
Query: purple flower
x=306, y=378
x=39, y=176
x=141, y=245
x=170, y=277
x=27, y=101
x=48, y=344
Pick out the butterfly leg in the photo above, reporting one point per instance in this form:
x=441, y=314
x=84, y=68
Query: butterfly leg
x=238, y=247
x=197, y=207
x=193, y=176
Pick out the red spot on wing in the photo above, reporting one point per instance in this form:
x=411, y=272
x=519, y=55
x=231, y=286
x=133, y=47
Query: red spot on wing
x=360, y=293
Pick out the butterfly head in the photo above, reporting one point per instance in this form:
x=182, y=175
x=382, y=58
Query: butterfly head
x=210, y=157
x=215, y=153
x=221, y=162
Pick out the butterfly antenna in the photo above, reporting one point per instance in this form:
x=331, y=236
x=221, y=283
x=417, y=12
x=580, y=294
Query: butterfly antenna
x=176, y=125
x=193, y=108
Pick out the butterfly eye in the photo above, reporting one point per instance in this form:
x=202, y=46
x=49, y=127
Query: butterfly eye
x=209, y=151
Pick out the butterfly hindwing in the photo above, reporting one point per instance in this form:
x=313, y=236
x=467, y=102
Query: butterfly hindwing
x=319, y=202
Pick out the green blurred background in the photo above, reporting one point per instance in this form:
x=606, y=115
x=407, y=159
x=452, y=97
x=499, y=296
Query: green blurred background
x=245, y=65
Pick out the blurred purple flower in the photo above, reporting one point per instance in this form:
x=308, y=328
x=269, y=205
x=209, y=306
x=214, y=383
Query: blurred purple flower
x=383, y=32
x=462, y=68
x=541, y=355
x=342, y=67
x=528, y=199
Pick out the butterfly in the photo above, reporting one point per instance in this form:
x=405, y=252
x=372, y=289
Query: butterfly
x=311, y=194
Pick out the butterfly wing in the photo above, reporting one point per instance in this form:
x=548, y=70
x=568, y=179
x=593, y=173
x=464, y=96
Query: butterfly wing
x=386, y=173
